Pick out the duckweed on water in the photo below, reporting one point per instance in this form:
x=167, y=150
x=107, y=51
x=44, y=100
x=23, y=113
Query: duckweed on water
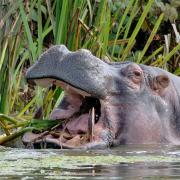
x=57, y=164
x=14, y=165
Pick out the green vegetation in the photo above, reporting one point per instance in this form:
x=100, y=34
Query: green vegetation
x=54, y=164
x=133, y=30
x=72, y=162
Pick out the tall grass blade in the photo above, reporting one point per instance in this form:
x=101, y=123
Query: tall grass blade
x=150, y=39
x=121, y=23
x=157, y=51
x=50, y=12
x=171, y=53
x=136, y=30
x=27, y=29
x=61, y=23
x=40, y=38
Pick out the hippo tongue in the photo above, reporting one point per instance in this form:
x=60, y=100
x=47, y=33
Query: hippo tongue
x=78, y=125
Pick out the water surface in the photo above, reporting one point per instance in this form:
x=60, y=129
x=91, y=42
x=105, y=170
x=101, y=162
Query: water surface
x=124, y=162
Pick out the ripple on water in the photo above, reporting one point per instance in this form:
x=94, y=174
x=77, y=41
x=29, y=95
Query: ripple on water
x=123, y=162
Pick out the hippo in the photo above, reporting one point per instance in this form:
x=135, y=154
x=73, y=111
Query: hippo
x=107, y=104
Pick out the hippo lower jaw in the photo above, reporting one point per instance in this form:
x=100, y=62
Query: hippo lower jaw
x=82, y=121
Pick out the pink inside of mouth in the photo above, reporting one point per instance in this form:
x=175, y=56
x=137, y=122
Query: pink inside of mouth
x=78, y=125
x=77, y=128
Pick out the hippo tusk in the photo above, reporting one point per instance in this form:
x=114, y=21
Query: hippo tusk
x=91, y=122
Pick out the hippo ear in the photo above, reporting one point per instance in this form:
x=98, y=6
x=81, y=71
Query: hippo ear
x=160, y=82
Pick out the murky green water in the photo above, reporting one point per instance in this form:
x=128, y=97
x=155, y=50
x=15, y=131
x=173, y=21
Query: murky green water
x=124, y=162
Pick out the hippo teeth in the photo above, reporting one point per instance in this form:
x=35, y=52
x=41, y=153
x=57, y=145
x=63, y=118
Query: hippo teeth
x=91, y=123
x=85, y=118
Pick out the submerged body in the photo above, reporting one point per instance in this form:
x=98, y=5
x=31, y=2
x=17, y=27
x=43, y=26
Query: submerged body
x=116, y=103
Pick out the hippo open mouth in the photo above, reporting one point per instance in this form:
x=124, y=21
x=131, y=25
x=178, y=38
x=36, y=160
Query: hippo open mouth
x=80, y=111
x=80, y=115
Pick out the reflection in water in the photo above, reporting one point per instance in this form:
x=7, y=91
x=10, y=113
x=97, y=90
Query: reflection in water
x=124, y=162
x=136, y=171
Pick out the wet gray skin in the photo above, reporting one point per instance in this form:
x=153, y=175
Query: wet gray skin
x=134, y=104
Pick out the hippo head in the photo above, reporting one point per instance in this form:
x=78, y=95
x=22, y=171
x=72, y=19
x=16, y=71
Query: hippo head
x=105, y=104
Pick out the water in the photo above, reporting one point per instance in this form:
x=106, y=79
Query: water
x=124, y=162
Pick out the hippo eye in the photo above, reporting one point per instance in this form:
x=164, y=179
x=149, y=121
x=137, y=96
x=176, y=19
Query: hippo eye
x=137, y=73
x=136, y=77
